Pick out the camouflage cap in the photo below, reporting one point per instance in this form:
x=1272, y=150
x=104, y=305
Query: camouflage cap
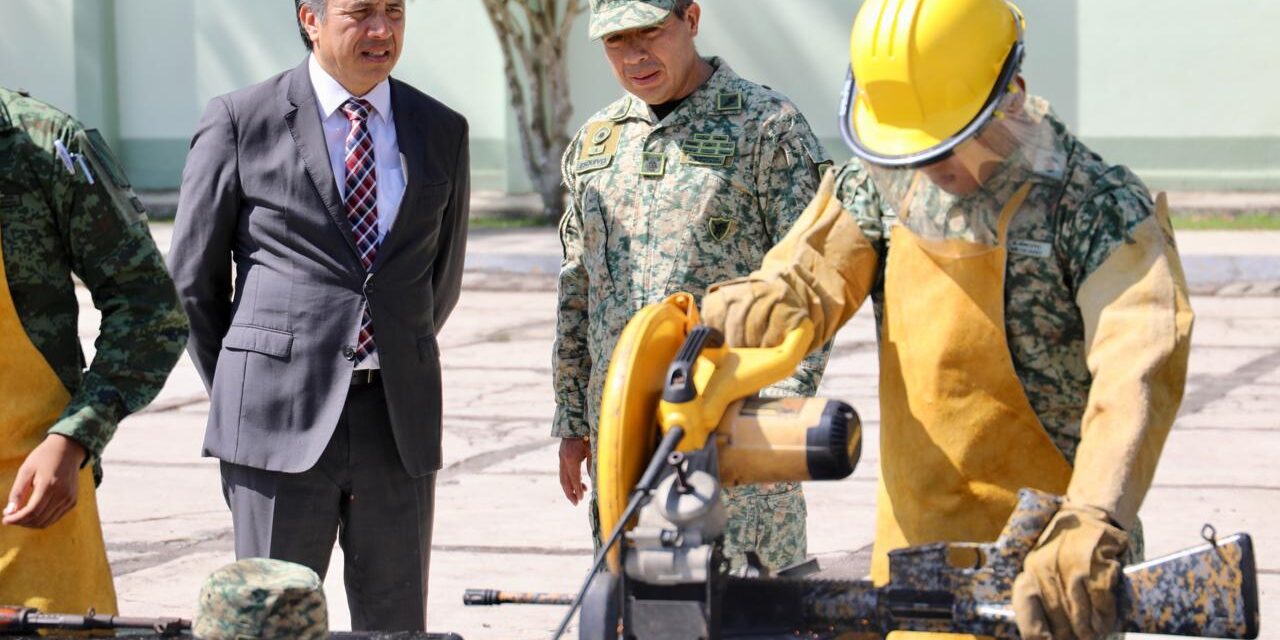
x=262, y=598
x=611, y=16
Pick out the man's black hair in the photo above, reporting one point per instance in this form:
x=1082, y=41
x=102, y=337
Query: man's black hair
x=317, y=7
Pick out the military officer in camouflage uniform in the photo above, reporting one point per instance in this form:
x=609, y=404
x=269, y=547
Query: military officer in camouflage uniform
x=685, y=181
x=1034, y=318
x=66, y=208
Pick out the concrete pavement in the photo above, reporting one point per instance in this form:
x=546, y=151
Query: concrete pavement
x=502, y=522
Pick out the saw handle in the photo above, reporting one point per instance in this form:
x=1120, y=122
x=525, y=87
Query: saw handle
x=706, y=376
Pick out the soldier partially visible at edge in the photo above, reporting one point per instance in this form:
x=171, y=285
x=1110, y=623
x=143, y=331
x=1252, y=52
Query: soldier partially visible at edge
x=67, y=208
x=685, y=181
x=1033, y=314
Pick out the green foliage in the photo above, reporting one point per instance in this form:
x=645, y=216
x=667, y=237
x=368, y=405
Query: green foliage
x=1226, y=221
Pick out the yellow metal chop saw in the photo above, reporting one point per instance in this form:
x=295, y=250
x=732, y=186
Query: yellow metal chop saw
x=678, y=400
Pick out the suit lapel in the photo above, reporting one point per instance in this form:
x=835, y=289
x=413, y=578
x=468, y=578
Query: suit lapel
x=412, y=143
x=303, y=119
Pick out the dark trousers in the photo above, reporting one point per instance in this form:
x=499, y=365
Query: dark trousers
x=359, y=494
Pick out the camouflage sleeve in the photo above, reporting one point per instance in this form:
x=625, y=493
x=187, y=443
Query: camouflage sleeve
x=1104, y=222
x=571, y=364
x=792, y=161
x=143, y=328
x=1137, y=317
x=859, y=197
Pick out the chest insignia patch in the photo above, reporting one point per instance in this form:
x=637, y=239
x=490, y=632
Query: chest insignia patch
x=599, y=145
x=729, y=102
x=653, y=164
x=1030, y=248
x=709, y=149
x=720, y=227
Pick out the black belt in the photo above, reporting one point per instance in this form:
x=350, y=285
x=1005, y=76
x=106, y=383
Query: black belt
x=361, y=377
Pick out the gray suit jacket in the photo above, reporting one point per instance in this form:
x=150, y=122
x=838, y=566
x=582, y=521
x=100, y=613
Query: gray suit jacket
x=258, y=190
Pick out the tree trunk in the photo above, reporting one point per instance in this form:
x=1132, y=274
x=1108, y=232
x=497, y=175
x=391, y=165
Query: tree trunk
x=534, y=38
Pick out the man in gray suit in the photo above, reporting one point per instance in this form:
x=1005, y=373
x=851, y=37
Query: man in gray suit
x=341, y=197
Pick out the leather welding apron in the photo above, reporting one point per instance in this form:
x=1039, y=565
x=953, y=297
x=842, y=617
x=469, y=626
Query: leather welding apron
x=958, y=436
x=62, y=568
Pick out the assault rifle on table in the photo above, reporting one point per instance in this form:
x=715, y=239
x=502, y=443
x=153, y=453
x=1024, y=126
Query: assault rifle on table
x=1207, y=591
x=17, y=621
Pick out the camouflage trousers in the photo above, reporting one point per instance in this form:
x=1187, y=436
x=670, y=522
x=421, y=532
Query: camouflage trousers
x=768, y=519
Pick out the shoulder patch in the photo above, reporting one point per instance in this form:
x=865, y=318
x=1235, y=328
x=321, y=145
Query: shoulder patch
x=729, y=102
x=106, y=160
x=599, y=144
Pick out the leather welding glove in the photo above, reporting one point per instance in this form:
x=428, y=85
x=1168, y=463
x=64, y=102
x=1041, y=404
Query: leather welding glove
x=1068, y=582
x=821, y=270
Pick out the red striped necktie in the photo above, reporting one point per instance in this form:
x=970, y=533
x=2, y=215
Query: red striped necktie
x=362, y=202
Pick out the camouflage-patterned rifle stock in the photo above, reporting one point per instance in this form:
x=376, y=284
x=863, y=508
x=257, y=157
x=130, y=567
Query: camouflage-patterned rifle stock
x=22, y=621
x=1208, y=591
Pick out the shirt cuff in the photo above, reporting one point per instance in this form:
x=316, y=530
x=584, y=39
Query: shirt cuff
x=90, y=426
x=569, y=424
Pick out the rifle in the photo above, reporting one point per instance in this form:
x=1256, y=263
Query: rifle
x=493, y=597
x=16, y=620
x=28, y=622
x=1207, y=591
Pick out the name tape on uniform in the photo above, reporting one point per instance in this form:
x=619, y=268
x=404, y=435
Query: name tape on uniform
x=1030, y=248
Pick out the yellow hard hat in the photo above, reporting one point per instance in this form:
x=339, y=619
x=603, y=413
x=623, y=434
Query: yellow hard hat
x=926, y=75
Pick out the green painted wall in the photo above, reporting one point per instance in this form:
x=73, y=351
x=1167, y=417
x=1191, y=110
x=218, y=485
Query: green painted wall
x=1188, y=96
x=1180, y=98
x=37, y=50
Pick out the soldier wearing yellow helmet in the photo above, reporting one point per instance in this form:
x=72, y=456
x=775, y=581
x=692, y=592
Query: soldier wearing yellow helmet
x=1034, y=318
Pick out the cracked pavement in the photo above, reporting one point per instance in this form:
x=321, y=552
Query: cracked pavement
x=502, y=521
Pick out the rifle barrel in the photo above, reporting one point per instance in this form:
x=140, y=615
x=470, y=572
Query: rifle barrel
x=493, y=597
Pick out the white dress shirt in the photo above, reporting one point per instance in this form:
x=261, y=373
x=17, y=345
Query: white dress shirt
x=388, y=163
x=388, y=166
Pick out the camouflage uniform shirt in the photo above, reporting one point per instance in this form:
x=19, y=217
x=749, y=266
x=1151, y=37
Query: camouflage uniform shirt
x=659, y=207
x=56, y=223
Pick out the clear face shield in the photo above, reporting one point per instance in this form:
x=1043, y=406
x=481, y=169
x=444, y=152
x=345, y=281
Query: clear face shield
x=958, y=188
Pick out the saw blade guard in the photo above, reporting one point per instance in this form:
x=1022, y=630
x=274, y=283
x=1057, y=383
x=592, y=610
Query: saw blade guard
x=634, y=384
